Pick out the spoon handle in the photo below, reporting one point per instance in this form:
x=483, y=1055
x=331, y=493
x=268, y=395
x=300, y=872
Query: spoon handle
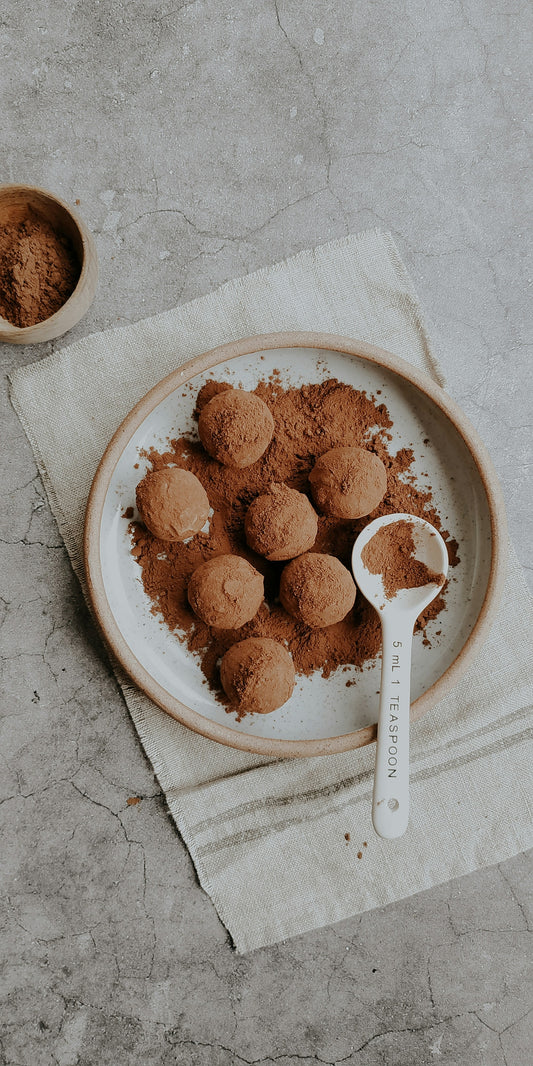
x=390, y=801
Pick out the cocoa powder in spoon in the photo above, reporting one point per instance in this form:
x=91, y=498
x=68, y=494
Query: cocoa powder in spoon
x=391, y=553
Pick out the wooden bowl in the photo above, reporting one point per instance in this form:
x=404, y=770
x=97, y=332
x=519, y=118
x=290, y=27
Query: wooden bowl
x=67, y=224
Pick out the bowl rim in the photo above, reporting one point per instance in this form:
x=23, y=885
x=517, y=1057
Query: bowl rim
x=274, y=747
x=87, y=246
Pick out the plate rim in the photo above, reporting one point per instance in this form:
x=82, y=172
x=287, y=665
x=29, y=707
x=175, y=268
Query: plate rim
x=275, y=747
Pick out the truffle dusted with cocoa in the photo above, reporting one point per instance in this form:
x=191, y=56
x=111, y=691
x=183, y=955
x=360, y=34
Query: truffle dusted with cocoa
x=317, y=590
x=172, y=503
x=280, y=524
x=236, y=427
x=225, y=592
x=257, y=675
x=348, y=482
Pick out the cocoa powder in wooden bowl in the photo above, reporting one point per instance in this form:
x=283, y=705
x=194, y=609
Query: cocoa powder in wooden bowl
x=48, y=265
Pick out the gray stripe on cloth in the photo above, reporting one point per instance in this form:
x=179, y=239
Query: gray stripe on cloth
x=247, y=835
x=327, y=790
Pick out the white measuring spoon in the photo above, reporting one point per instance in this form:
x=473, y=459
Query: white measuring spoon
x=390, y=801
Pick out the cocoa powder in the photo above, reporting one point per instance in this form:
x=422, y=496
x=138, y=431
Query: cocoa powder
x=38, y=269
x=391, y=553
x=308, y=422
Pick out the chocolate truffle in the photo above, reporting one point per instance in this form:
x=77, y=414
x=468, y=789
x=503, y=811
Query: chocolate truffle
x=280, y=524
x=235, y=427
x=172, y=503
x=348, y=482
x=317, y=589
x=257, y=674
x=225, y=591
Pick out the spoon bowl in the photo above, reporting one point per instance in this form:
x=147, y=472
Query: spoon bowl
x=398, y=609
x=429, y=549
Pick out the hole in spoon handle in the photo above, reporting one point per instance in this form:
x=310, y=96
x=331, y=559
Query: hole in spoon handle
x=390, y=802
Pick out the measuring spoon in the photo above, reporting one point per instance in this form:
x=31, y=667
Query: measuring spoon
x=390, y=801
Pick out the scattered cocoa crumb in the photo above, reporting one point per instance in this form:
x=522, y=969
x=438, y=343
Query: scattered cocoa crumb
x=347, y=837
x=359, y=854
x=128, y=513
x=133, y=800
x=365, y=845
x=77, y=202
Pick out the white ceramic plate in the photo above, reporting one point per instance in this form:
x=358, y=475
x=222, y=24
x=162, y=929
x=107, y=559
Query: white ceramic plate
x=323, y=715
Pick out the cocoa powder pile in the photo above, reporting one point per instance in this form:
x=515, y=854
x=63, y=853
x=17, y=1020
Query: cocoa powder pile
x=309, y=421
x=39, y=269
x=391, y=553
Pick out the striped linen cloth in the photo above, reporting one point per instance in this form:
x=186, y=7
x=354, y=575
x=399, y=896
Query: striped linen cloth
x=268, y=837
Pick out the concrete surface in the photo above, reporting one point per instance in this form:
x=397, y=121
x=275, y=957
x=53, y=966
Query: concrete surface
x=204, y=140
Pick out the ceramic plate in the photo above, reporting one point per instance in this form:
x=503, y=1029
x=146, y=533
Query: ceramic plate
x=323, y=715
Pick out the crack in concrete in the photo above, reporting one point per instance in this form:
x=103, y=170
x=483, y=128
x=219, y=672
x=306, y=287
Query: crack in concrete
x=30, y=543
x=515, y=1022
x=173, y=11
x=417, y=1028
x=227, y=238
x=520, y=905
x=430, y=984
x=319, y=107
x=263, y=1061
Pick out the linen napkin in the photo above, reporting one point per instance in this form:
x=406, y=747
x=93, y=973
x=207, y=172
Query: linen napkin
x=268, y=837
